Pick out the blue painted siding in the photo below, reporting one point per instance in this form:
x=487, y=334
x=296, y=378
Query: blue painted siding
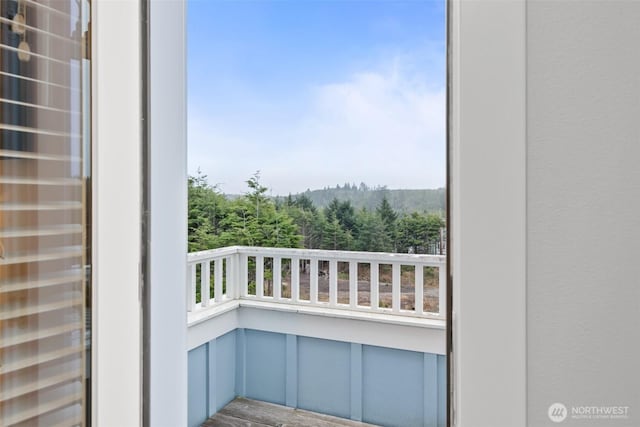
x=442, y=391
x=356, y=382
x=265, y=366
x=392, y=392
x=225, y=371
x=379, y=385
x=197, y=377
x=291, y=385
x=430, y=381
x=324, y=376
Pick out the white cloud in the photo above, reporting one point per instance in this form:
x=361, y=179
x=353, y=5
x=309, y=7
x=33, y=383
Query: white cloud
x=382, y=128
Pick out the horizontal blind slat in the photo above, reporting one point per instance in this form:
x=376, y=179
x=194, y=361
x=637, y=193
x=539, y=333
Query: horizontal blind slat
x=22, y=284
x=39, y=131
x=48, y=9
x=39, y=334
x=44, y=32
x=41, y=106
x=70, y=229
x=64, y=182
x=42, y=409
x=40, y=359
x=62, y=253
x=39, y=384
x=57, y=206
x=40, y=308
x=37, y=55
x=38, y=156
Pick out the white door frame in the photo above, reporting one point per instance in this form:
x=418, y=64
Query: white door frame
x=488, y=203
x=116, y=179
x=138, y=382
x=488, y=211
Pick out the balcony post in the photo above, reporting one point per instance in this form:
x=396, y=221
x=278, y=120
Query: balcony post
x=205, y=283
x=260, y=276
x=442, y=290
x=217, y=294
x=243, y=274
x=374, y=274
x=295, y=279
x=313, y=279
x=191, y=289
x=353, y=284
x=333, y=283
x=419, y=288
x=395, y=288
x=277, y=277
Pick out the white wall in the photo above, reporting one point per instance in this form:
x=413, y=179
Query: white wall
x=583, y=215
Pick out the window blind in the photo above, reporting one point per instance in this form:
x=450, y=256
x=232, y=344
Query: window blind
x=44, y=210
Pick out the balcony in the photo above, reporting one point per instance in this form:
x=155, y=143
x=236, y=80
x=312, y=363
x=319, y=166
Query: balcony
x=357, y=335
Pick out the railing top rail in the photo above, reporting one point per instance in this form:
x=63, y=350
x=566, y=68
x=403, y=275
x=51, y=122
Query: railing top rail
x=193, y=257
x=382, y=257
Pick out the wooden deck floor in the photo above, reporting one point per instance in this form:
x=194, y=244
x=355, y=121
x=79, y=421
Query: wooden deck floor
x=252, y=413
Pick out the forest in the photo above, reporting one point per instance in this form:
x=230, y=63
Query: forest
x=255, y=219
x=364, y=196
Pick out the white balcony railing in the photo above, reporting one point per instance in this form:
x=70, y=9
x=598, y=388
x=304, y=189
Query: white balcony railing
x=403, y=284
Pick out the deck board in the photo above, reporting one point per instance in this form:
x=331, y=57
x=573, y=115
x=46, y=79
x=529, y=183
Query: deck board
x=252, y=413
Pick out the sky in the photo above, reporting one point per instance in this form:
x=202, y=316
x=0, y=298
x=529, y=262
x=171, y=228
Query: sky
x=314, y=93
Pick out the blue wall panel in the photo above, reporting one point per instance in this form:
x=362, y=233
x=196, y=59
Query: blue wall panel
x=442, y=390
x=379, y=385
x=225, y=370
x=197, y=378
x=430, y=381
x=392, y=392
x=265, y=366
x=324, y=376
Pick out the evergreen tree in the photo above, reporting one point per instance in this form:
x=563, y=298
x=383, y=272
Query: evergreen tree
x=389, y=218
x=371, y=236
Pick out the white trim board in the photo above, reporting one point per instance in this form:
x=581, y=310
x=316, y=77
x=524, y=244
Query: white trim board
x=423, y=335
x=116, y=167
x=488, y=211
x=168, y=214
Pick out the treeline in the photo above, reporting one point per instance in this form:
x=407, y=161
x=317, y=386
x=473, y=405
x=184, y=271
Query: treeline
x=364, y=196
x=254, y=219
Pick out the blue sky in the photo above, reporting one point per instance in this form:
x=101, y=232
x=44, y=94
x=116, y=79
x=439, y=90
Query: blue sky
x=317, y=93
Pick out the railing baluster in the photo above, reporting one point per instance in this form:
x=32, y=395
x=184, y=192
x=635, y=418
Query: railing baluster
x=295, y=279
x=230, y=277
x=277, y=278
x=395, y=288
x=353, y=284
x=333, y=282
x=313, y=281
x=243, y=268
x=419, y=290
x=218, y=280
x=374, y=294
x=442, y=290
x=259, y=276
x=191, y=289
x=205, y=282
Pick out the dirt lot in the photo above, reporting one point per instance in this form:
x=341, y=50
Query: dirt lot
x=407, y=289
